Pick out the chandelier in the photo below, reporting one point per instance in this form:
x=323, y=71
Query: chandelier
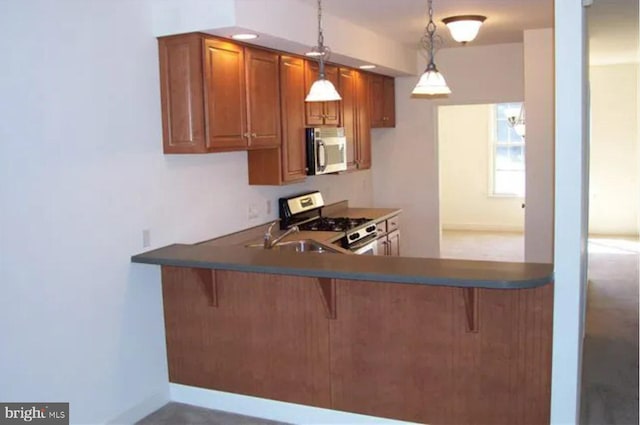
x=515, y=118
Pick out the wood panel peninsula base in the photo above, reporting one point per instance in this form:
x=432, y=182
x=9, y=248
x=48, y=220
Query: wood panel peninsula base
x=429, y=353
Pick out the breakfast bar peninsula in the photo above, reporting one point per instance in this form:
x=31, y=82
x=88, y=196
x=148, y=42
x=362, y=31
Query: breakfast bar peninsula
x=426, y=340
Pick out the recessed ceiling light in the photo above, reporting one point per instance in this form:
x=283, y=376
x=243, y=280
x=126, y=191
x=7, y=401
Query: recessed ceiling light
x=314, y=54
x=244, y=36
x=367, y=66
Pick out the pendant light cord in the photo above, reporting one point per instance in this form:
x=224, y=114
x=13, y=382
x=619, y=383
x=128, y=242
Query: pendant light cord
x=431, y=30
x=321, y=48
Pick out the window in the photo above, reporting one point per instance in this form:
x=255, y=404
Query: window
x=507, y=155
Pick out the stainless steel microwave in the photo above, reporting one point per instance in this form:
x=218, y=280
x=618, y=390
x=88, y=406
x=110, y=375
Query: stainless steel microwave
x=326, y=150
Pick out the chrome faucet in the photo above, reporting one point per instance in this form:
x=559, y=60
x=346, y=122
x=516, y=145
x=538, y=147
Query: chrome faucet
x=270, y=242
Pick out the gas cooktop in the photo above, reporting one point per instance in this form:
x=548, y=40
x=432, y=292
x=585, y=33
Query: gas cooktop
x=334, y=224
x=305, y=211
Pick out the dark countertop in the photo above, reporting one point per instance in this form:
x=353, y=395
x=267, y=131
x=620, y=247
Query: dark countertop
x=229, y=253
x=422, y=271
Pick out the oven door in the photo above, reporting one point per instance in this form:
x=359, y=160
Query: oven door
x=368, y=247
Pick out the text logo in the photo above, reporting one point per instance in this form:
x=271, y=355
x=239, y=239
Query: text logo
x=34, y=413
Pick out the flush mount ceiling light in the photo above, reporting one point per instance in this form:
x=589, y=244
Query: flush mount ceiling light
x=244, y=36
x=464, y=28
x=322, y=89
x=431, y=82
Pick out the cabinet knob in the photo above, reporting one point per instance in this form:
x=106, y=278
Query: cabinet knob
x=254, y=135
x=246, y=135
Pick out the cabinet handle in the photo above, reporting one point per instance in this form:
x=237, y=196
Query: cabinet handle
x=246, y=135
x=254, y=135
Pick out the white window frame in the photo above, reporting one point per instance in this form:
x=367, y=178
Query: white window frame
x=493, y=145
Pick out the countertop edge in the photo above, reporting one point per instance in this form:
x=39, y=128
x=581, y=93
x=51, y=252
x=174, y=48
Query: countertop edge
x=149, y=258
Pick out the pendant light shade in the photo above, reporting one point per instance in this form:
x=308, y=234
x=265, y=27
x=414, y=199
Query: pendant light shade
x=322, y=90
x=464, y=28
x=431, y=82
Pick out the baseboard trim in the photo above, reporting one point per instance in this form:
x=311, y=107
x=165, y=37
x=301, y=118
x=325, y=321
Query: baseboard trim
x=142, y=409
x=482, y=227
x=269, y=409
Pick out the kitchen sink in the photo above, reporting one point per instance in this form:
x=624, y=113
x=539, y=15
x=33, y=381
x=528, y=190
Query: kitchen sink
x=303, y=245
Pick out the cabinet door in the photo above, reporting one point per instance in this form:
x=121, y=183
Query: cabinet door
x=293, y=113
x=225, y=96
x=321, y=113
x=376, y=91
x=393, y=245
x=363, y=134
x=348, y=111
x=389, y=96
x=382, y=245
x=263, y=98
x=332, y=109
x=183, y=128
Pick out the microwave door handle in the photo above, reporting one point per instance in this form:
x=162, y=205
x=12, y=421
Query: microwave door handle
x=322, y=156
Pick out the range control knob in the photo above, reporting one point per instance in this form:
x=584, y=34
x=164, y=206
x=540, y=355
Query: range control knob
x=354, y=236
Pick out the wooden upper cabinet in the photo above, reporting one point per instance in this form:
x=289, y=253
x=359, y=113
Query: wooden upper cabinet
x=288, y=163
x=263, y=98
x=363, y=121
x=347, y=84
x=382, y=101
x=292, y=91
x=217, y=95
x=225, y=94
x=182, y=94
x=321, y=113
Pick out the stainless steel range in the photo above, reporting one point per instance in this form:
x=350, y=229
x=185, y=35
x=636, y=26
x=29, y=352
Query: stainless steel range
x=305, y=211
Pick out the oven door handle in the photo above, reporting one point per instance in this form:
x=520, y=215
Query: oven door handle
x=364, y=242
x=321, y=156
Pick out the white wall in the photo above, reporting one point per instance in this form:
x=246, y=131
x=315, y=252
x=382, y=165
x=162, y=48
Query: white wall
x=464, y=140
x=571, y=209
x=81, y=174
x=539, y=107
x=614, y=191
x=405, y=172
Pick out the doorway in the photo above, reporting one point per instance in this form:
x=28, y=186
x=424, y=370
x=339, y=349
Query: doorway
x=482, y=181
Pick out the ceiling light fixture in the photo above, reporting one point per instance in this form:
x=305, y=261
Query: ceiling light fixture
x=515, y=118
x=322, y=89
x=244, y=36
x=431, y=82
x=464, y=28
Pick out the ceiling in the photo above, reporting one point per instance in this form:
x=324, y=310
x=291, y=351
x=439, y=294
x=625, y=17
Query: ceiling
x=613, y=24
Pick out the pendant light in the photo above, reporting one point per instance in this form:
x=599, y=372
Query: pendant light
x=431, y=82
x=464, y=28
x=322, y=89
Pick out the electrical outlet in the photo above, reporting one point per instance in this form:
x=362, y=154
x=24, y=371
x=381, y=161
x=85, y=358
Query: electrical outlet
x=146, y=238
x=253, y=212
x=268, y=207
